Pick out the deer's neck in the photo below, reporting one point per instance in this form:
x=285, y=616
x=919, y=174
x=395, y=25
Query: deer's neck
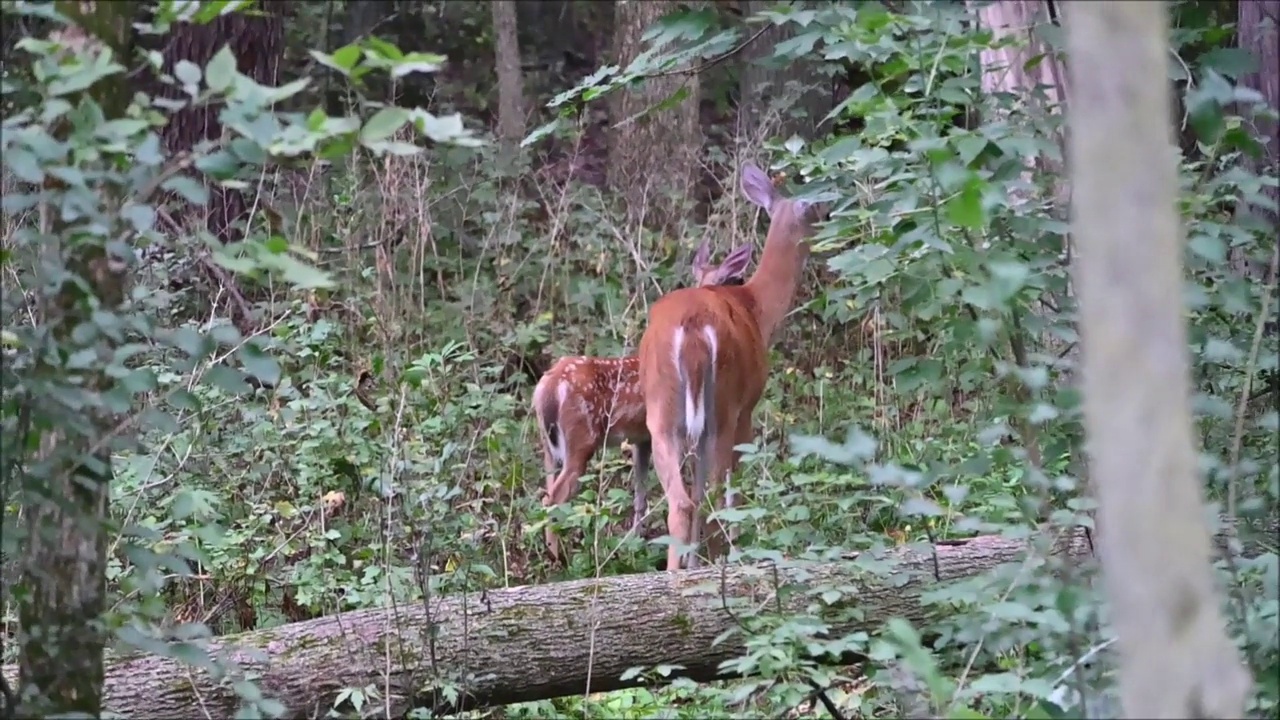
x=773, y=285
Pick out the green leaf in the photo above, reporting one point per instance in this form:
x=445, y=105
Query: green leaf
x=799, y=45
x=302, y=275
x=138, y=382
x=225, y=334
x=288, y=90
x=81, y=77
x=195, y=344
x=215, y=8
x=316, y=119
x=220, y=165
x=149, y=152
x=184, y=400
x=191, y=502
x=347, y=56
x=343, y=59
x=328, y=61
x=120, y=130
x=190, y=189
x=1230, y=61
x=1210, y=247
x=541, y=132
x=418, y=62
x=969, y=147
x=445, y=129
x=23, y=164
x=383, y=124
x=382, y=49
x=187, y=72
x=966, y=208
x=1206, y=118
x=228, y=379
x=334, y=149
x=221, y=72
x=392, y=147
x=141, y=217
x=259, y=364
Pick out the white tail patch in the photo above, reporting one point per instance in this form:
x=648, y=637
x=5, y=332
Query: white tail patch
x=709, y=333
x=695, y=415
x=713, y=345
x=560, y=448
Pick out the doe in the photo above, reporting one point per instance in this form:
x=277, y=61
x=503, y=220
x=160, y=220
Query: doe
x=704, y=362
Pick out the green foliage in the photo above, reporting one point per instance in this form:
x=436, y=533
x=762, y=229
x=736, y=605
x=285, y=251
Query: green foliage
x=99, y=364
x=368, y=439
x=950, y=235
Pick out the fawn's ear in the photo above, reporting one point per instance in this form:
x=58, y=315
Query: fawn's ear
x=699, y=264
x=734, y=264
x=758, y=188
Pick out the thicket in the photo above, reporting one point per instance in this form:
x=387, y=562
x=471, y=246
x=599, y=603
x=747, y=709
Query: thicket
x=365, y=436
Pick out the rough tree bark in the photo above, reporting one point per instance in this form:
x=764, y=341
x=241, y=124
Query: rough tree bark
x=62, y=589
x=506, y=48
x=652, y=157
x=532, y=642
x=258, y=43
x=539, y=642
x=785, y=97
x=1005, y=70
x=362, y=17
x=1259, y=29
x=1175, y=657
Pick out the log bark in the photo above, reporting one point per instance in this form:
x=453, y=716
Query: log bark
x=538, y=642
x=1175, y=657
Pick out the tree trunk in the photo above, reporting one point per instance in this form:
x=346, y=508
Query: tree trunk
x=361, y=18
x=1175, y=658
x=1041, y=91
x=1259, y=28
x=258, y=43
x=62, y=590
x=777, y=96
x=1005, y=69
x=539, y=642
x=653, y=153
x=506, y=46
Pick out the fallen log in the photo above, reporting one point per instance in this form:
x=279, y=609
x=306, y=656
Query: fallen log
x=532, y=642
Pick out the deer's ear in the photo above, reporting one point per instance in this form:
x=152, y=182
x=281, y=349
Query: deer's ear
x=814, y=212
x=757, y=187
x=735, y=264
x=701, y=258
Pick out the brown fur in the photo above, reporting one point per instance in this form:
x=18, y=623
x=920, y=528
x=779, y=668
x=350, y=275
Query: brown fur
x=743, y=320
x=602, y=405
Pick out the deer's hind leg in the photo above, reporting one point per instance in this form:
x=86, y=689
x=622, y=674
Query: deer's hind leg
x=641, y=453
x=667, y=454
x=561, y=486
